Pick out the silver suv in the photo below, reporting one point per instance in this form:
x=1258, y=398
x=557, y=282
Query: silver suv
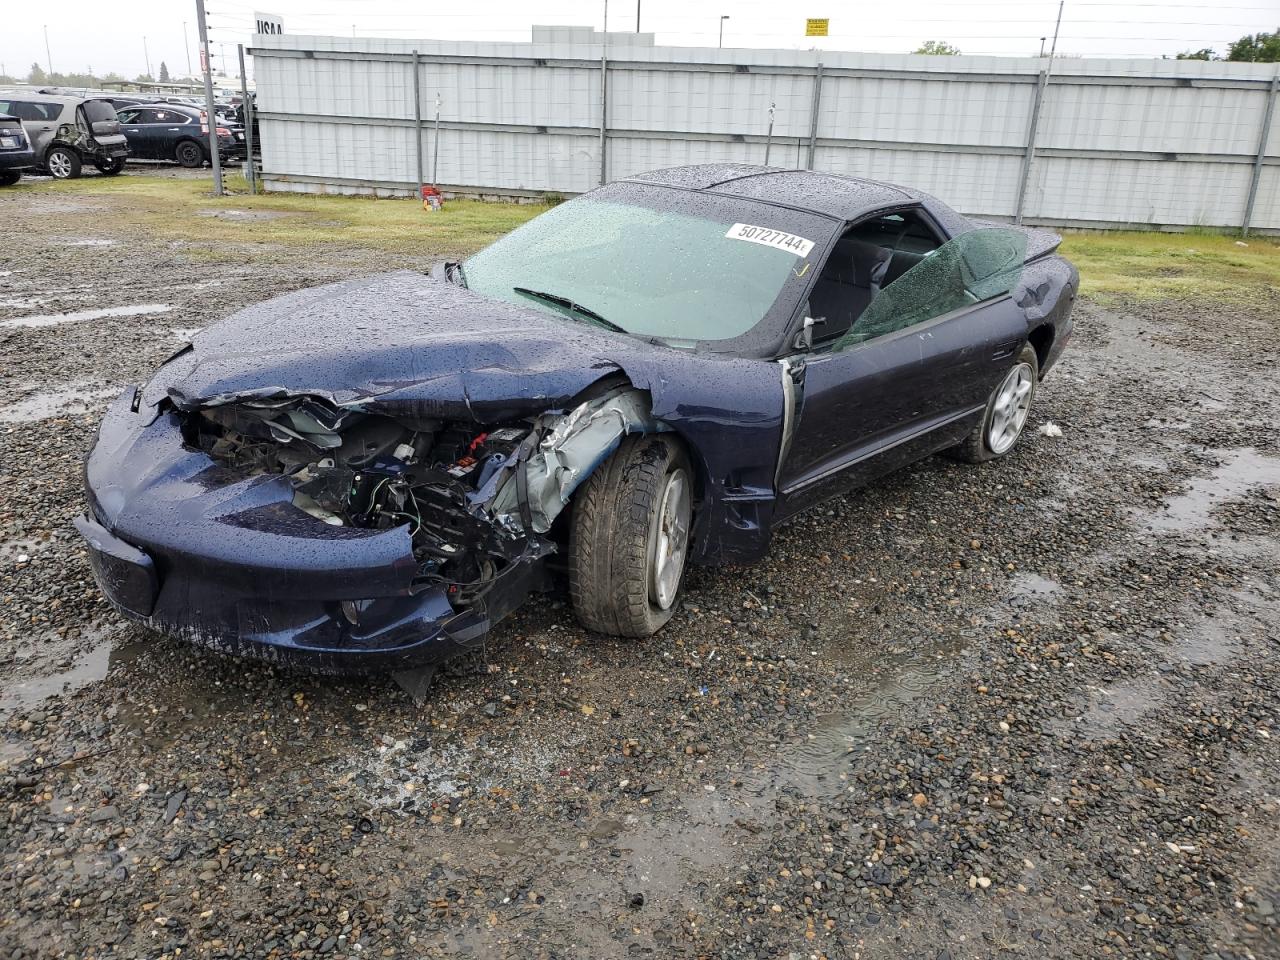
x=68, y=132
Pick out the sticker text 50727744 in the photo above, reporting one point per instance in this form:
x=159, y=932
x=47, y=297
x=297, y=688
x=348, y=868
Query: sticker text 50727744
x=764, y=236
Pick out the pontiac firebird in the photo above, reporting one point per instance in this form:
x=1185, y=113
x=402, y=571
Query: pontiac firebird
x=367, y=476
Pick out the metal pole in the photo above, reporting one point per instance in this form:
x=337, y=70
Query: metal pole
x=47, y=54
x=1025, y=176
x=1054, y=48
x=417, y=116
x=435, y=146
x=604, y=109
x=637, y=16
x=1263, y=137
x=813, y=115
x=146, y=56
x=246, y=110
x=768, y=137
x=211, y=115
x=186, y=45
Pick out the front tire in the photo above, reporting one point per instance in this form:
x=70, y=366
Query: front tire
x=629, y=537
x=62, y=163
x=190, y=154
x=1002, y=423
x=110, y=167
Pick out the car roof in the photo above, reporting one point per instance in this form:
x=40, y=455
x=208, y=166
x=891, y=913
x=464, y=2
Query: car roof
x=832, y=194
x=186, y=108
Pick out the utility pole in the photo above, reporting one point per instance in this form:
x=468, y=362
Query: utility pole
x=211, y=114
x=186, y=45
x=1042, y=40
x=722, y=20
x=146, y=56
x=47, y=54
x=637, y=16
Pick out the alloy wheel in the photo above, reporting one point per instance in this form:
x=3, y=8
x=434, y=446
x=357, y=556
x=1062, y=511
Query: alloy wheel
x=1010, y=409
x=672, y=542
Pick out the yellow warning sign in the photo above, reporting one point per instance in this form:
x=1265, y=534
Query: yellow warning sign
x=816, y=28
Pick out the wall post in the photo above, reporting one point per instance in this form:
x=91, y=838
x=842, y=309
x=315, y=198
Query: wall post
x=1032, y=126
x=813, y=115
x=1263, y=137
x=604, y=113
x=417, y=120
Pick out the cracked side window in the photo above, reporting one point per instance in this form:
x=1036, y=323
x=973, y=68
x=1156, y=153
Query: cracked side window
x=975, y=266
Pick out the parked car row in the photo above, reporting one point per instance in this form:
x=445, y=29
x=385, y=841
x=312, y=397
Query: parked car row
x=58, y=134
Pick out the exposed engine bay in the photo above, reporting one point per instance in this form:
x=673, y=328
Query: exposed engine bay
x=475, y=498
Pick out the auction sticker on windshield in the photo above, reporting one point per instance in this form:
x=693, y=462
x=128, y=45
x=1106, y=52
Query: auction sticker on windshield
x=789, y=242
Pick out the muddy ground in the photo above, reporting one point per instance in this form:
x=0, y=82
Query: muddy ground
x=1022, y=709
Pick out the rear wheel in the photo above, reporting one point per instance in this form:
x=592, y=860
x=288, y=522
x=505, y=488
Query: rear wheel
x=111, y=166
x=629, y=537
x=62, y=163
x=9, y=177
x=189, y=154
x=998, y=431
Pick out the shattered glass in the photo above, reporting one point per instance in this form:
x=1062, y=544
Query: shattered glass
x=975, y=266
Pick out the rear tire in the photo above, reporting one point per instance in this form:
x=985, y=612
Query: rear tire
x=111, y=167
x=62, y=163
x=629, y=537
x=1005, y=416
x=10, y=177
x=189, y=154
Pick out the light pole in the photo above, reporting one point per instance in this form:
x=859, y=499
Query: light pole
x=723, y=18
x=1042, y=40
x=186, y=45
x=48, y=56
x=146, y=56
x=637, y=16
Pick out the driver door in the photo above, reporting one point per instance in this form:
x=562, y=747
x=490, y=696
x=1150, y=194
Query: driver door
x=910, y=375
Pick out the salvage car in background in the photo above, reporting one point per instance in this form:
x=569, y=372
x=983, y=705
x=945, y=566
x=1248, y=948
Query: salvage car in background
x=368, y=475
x=167, y=131
x=69, y=131
x=16, y=156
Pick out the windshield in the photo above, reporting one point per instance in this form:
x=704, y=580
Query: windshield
x=688, y=268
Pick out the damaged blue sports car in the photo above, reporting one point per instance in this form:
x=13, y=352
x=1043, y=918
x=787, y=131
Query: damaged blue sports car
x=367, y=476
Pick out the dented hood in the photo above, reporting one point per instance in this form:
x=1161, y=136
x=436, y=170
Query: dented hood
x=399, y=342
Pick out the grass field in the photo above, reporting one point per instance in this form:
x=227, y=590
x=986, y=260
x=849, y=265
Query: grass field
x=1113, y=265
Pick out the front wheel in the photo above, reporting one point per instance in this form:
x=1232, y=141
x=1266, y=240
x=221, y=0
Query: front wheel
x=1001, y=425
x=189, y=154
x=110, y=167
x=62, y=163
x=629, y=537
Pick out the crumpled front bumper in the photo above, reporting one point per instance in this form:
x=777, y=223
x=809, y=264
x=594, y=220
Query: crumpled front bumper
x=192, y=550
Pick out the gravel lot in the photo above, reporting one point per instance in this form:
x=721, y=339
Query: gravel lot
x=1022, y=709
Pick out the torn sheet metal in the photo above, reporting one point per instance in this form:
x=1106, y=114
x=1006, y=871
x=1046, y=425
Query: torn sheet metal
x=572, y=446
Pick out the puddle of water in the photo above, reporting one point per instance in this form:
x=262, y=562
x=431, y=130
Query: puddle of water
x=1027, y=589
x=84, y=242
x=89, y=667
x=73, y=399
x=244, y=215
x=1240, y=471
x=53, y=319
x=1119, y=705
x=816, y=765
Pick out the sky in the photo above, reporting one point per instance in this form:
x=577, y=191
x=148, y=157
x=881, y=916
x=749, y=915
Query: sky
x=123, y=36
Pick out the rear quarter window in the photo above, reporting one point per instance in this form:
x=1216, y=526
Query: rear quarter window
x=35, y=110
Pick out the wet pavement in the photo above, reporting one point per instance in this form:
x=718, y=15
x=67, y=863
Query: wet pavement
x=1026, y=708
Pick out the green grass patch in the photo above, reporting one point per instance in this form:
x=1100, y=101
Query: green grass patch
x=186, y=209
x=1174, y=266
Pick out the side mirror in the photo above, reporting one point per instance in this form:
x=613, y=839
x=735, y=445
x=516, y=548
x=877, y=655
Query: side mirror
x=804, y=339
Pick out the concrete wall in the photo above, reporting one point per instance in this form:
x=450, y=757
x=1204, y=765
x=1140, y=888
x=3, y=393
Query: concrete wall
x=1168, y=143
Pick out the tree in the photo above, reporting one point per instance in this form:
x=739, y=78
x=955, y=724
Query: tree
x=938, y=48
x=164, y=72
x=37, y=75
x=1204, y=54
x=144, y=78
x=1256, y=48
